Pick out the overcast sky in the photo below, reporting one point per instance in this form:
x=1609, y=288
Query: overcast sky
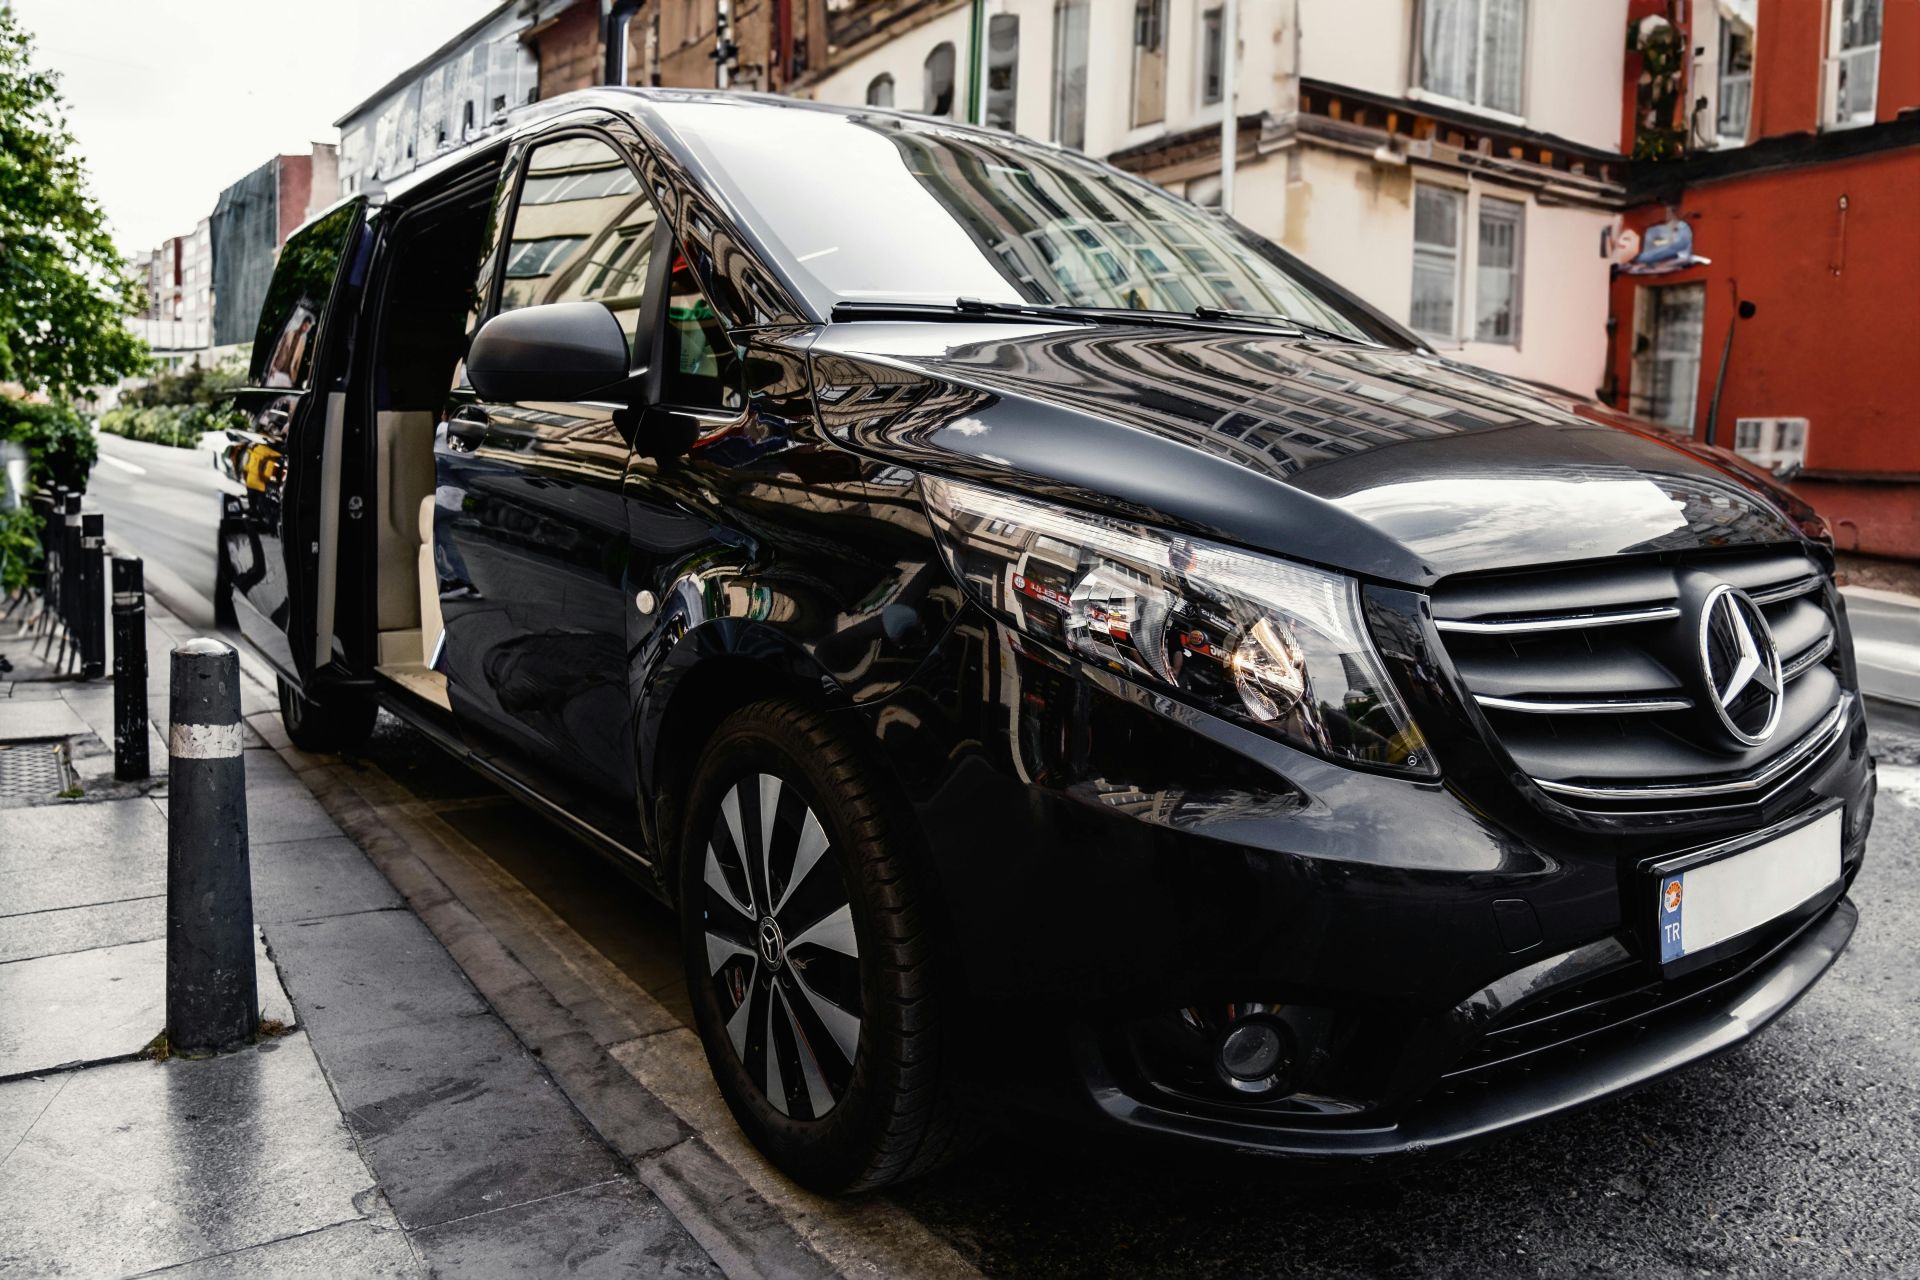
x=172, y=100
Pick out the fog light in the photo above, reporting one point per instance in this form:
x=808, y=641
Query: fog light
x=1255, y=1054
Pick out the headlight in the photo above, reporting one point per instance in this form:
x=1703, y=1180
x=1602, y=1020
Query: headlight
x=1279, y=645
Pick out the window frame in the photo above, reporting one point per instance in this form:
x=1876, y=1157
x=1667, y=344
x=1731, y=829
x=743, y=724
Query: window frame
x=892, y=87
x=927, y=96
x=1646, y=314
x=1061, y=11
x=1723, y=42
x=1830, y=69
x=1517, y=270
x=1417, y=69
x=1000, y=22
x=648, y=327
x=1158, y=9
x=1210, y=42
x=1459, y=197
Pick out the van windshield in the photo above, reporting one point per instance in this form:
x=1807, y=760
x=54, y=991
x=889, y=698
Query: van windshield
x=874, y=207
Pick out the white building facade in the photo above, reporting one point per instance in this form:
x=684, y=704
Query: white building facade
x=1454, y=162
x=440, y=102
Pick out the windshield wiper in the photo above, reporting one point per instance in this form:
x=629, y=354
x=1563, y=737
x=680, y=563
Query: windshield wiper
x=980, y=309
x=1274, y=319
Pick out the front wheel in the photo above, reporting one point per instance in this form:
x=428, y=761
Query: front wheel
x=343, y=722
x=808, y=958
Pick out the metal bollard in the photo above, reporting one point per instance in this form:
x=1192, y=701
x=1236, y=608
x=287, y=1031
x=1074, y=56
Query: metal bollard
x=129, y=669
x=69, y=576
x=92, y=606
x=212, y=1002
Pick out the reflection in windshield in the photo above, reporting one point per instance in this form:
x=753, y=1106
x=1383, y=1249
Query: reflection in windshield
x=873, y=207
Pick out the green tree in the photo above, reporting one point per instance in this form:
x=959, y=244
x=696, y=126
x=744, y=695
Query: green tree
x=65, y=292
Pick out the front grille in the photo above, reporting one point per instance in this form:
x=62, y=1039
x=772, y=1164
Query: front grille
x=1592, y=679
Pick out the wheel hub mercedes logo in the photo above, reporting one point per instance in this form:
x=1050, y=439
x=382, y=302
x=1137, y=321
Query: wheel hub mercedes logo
x=773, y=947
x=1741, y=665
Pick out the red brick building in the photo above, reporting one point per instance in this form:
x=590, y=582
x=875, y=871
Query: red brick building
x=1800, y=188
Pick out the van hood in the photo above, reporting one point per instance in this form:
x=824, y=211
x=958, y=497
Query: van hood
x=1391, y=464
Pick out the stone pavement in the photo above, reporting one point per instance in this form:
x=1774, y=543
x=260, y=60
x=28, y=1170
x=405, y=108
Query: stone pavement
x=394, y=1125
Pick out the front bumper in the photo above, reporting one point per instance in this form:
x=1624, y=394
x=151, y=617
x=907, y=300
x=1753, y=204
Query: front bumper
x=1103, y=857
x=1629, y=1056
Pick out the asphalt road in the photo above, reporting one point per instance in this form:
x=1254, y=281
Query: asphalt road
x=1796, y=1154
x=162, y=504
x=1886, y=644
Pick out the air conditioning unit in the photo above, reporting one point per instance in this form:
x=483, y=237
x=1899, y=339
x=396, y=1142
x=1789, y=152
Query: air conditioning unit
x=1778, y=444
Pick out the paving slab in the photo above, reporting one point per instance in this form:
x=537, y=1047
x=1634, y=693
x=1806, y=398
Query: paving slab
x=141, y=1165
x=371, y=972
x=280, y=812
x=597, y=1233
x=23, y=719
x=71, y=855
x=306, y=879
x=105, y=924
x=92, y=1006
x=459, y=1118
x=350, y=1251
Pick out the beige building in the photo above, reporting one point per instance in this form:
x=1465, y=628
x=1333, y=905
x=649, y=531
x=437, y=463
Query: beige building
x=1455, y=162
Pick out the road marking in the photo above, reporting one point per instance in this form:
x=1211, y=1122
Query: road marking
x=133, y=468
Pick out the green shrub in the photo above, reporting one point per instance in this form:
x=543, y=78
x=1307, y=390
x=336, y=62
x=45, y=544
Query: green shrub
x=19, y=547
x=58, y=440
x=179, y=425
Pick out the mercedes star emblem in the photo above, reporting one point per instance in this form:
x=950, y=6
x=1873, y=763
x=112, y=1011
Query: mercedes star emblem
x=1741, y=665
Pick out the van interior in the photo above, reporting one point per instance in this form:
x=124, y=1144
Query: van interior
x=426, y=304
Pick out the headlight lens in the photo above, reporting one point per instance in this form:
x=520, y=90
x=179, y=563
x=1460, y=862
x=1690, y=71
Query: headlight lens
x=1280, y=645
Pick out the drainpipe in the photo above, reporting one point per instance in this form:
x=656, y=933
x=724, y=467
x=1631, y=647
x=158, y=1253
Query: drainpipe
x=976, y=59
x=619, y=18
x=1229, y=117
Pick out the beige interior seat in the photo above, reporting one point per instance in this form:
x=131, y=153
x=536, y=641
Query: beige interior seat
x=430, y=620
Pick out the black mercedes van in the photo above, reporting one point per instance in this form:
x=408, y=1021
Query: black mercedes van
x=1053, y=646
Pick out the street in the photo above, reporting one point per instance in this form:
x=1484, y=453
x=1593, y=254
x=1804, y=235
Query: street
x=1798, y=1153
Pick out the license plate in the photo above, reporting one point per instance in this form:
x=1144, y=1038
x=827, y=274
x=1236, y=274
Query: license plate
x=1705, y=905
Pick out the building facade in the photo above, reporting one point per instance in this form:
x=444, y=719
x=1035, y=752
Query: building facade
x=1457, y=165
x=178, y=320
x=250, y=221
x=441, y=101
x=1786, y=330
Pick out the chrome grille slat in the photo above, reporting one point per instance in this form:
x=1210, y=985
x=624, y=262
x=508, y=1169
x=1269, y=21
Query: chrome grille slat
x=1559, y=622
x=1802, y=752
x=1582, y=676
x=1570, y=707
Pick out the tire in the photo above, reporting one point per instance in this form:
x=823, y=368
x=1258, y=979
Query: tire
x=343, y=722
x=223, y=615
x=855, y=1096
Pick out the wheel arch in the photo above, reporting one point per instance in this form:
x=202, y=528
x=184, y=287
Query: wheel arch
x=711, y=672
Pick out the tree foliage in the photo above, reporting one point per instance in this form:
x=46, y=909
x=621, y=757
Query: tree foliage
x=64, y=290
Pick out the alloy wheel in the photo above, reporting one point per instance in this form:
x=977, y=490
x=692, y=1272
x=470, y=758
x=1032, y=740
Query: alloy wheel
x=781, y=948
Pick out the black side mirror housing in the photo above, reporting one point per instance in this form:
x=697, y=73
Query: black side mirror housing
x=560, y=351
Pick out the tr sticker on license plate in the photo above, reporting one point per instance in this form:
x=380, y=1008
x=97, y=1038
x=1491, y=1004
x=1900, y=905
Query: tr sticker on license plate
x=1704, y=906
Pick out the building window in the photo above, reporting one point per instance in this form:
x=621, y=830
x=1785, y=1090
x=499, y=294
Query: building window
x=1853, y=70
x=880, y=91
x=1474, y=51
x=1437, y=215
x=1070, y=73
x=1003, y=70
x=1213, y=56
x=1496, y=273
x=1734, y=90
x=1668, y=322
x=1149, y=62
x=939, y=80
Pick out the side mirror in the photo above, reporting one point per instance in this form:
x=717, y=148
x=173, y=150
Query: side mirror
x=560, y=351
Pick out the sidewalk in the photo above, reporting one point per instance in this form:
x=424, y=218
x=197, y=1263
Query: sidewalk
x=392, y=1126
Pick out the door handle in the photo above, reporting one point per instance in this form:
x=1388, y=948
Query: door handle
x=468, y=426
